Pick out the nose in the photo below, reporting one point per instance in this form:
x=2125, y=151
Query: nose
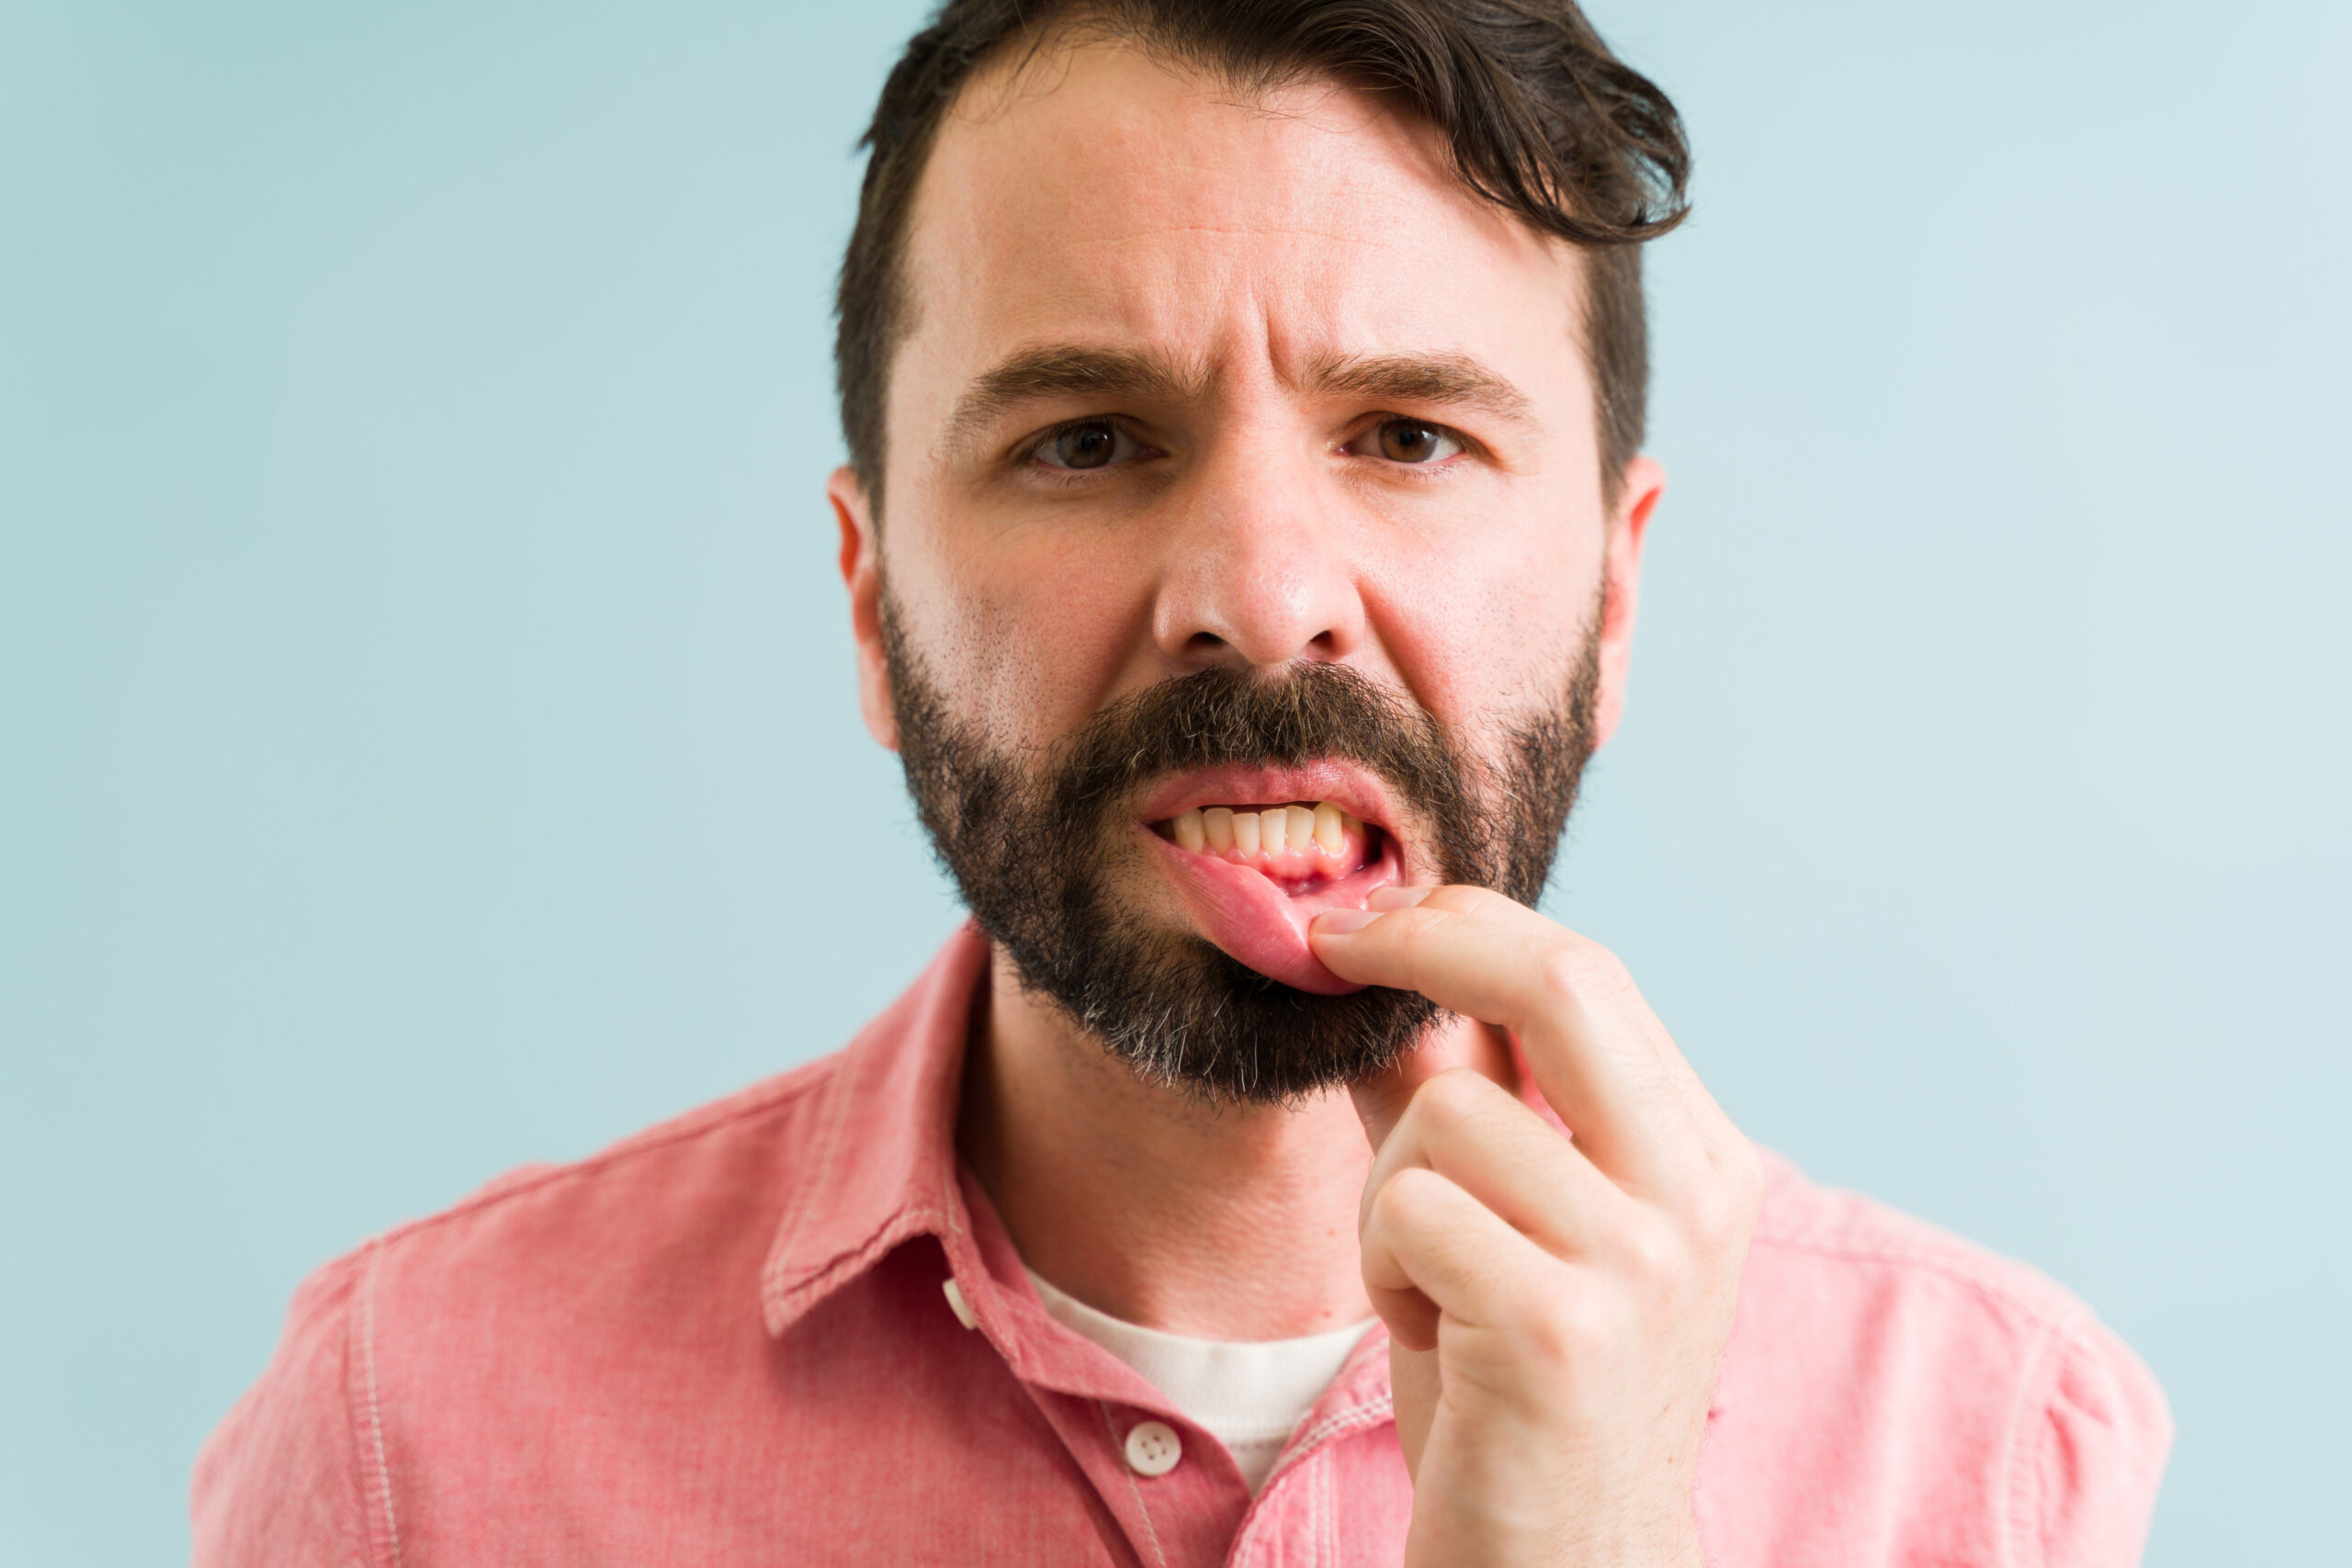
x=1257, y=571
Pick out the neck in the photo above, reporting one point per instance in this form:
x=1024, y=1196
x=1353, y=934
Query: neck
x=1221, y=1222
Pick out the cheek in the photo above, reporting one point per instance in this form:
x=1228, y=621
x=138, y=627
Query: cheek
x=1485, y=622
x=1032, y=634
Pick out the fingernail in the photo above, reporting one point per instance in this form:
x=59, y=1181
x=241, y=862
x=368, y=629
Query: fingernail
x=1343, y=923
x=1385, y=899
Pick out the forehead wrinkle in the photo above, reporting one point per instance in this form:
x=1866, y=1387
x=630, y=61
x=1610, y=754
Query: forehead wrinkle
x=1033, y=374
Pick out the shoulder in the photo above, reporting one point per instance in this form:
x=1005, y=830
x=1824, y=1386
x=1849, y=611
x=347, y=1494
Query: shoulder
x=1833, y=1239
x=707, y=1163
x=1951, y=1399
x=637, y=1260
x=611, y=1240
x=284, y=1479
x=704, y=1163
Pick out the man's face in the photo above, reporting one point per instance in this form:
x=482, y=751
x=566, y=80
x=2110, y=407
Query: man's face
x=1242, y=481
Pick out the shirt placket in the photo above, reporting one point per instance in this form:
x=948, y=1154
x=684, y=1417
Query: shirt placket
x=1171, y=1486
x=1311, y=1509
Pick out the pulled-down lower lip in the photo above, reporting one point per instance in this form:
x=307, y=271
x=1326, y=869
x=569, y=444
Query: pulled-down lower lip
x=1257, y=907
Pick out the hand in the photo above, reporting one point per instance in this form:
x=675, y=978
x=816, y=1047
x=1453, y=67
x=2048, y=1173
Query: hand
x=1557, y=1309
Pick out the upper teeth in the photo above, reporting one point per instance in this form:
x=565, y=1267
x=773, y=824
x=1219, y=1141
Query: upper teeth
x=1276, y=831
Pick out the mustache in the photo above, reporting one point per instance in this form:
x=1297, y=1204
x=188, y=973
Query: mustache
x=1225, y=716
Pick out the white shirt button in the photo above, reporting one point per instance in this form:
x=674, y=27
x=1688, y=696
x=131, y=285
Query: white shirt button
x=958, y=1305
x=1153, y=1447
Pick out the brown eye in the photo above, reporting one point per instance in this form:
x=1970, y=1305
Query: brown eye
x=1087, y=446
x=1410, y=441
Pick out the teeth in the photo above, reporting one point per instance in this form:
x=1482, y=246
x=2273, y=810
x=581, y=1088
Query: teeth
x=1217, y=822
x=1301, y=835
x=1276, y=831
x=1273, y=829
x=1330, y=825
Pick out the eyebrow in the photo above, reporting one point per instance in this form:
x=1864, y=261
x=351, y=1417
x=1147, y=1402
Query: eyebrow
x=1454, y=380
x=1033, y=374
x=1036, y=374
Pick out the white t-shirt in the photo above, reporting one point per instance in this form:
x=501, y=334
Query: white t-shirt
x=1250, y=1394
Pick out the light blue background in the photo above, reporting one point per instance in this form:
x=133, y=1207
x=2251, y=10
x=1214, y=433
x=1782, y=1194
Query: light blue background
x=426, y=707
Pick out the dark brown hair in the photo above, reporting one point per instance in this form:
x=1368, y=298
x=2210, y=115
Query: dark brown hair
x=1542, y=119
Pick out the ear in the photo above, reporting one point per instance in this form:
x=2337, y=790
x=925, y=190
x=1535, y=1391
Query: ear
x=1628, y=525
x=862, y=574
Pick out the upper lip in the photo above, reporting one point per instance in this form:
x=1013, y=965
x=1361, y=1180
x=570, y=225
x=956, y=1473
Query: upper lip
x=1345, y=786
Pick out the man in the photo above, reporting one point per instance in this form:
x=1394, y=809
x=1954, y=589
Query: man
x=1243, y=534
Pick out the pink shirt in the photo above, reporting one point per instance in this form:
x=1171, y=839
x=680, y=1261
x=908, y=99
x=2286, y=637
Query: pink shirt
x=726, y=1341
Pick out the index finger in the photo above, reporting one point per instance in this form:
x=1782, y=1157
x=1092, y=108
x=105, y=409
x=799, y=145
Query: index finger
x=1597, y=1053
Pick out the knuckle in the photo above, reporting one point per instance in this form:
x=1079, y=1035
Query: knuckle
x=1576, y=970
x=1652, y=1254
x=1405, y=1199
x=1577, y=1328
x=1452, y=1097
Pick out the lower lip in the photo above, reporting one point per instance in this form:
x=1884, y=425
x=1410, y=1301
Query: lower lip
x=1257, y=923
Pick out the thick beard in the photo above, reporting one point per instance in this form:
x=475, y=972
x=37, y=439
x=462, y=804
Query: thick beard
x=1031, y=855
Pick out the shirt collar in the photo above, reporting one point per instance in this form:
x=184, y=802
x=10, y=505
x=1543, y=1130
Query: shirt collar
x=880, y=1167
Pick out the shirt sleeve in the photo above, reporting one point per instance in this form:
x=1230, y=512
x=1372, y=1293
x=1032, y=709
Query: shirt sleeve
x=2090, y=1457
x=279, y=1483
